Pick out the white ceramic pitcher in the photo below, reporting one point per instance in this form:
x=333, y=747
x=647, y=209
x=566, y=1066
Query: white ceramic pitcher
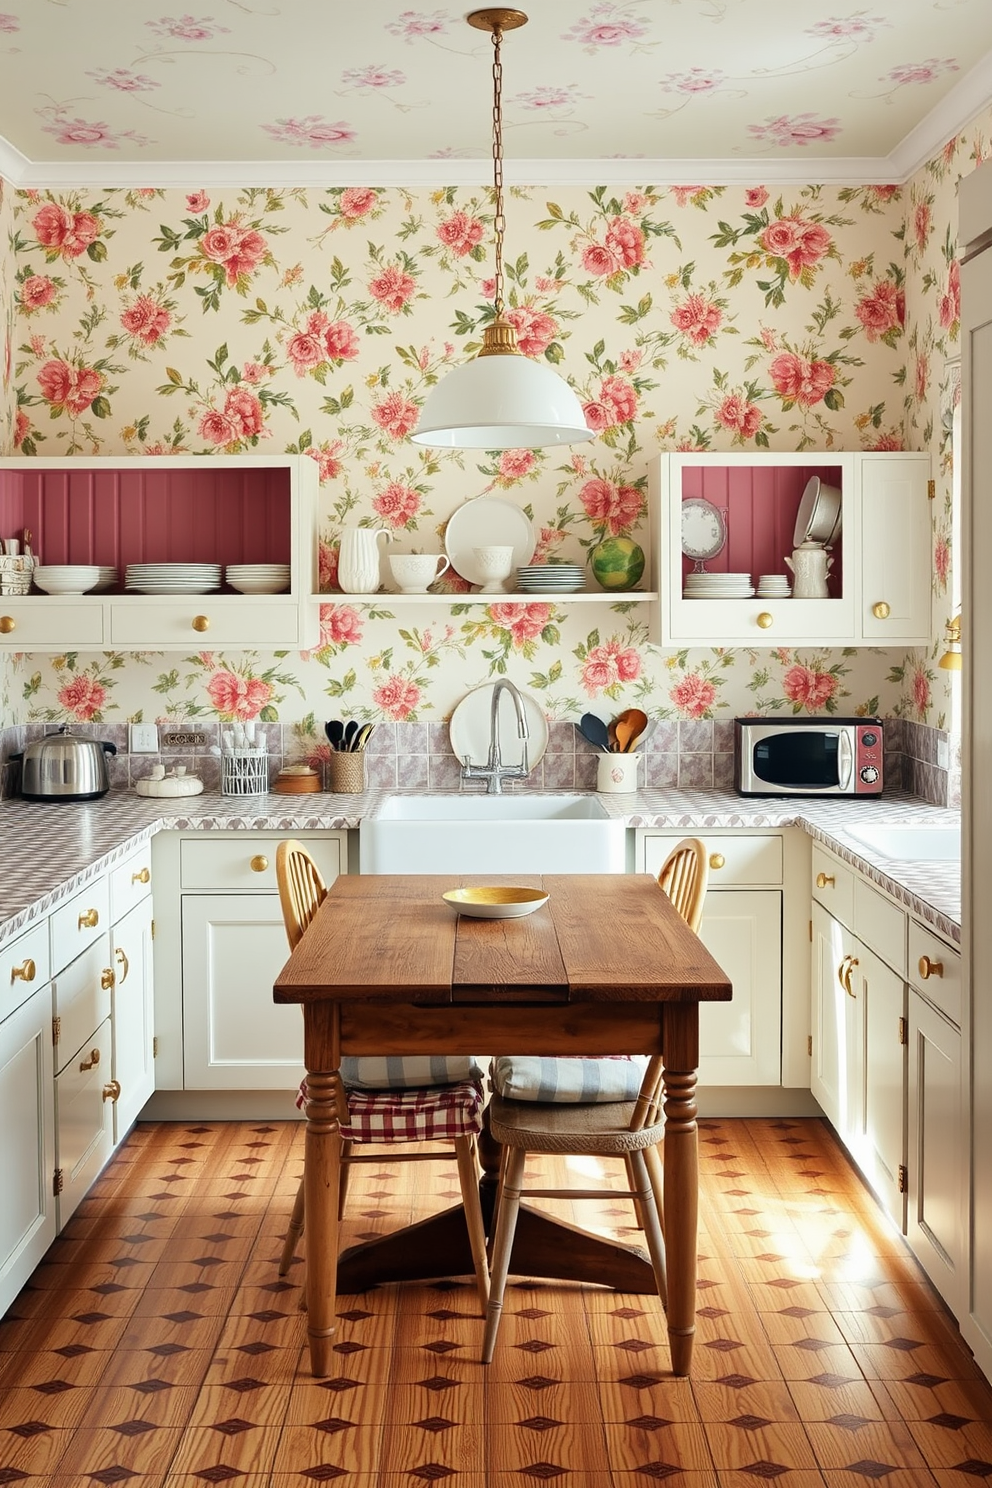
x=811, y=564
x=358, y=559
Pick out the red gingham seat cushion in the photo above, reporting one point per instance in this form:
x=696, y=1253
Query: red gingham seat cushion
x=438, y=1113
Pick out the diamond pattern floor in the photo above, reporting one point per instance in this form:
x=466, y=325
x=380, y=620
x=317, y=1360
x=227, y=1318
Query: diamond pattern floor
x=157, y=1344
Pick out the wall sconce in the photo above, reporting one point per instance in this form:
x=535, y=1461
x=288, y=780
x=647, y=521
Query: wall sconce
x=951, y=659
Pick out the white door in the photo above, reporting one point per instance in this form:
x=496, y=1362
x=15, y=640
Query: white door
x=936, y=1226
x=740, y=1042
x=27, y=1151
x=880, y=1144
x=133, y=1064
x=895, y=549
x=234, y=1035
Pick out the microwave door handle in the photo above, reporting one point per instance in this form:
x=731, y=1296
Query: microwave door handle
x=845, y=760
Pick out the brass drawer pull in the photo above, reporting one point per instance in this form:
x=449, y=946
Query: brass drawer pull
x=112, y=1090
x=930, y=968
x=717, y=860
x=201, y=622
x=259, y=863
x=881, y=610
x=765, y=620
x=143, y=877
x=88, y=920
x=7, y=624
x=91, y=1063
x=23, y=973
x=825, y=880
x=844, y=974
x=123, y=962
x=107, y=978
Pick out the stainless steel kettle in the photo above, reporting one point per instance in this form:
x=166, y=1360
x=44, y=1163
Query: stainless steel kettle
x=63, y=767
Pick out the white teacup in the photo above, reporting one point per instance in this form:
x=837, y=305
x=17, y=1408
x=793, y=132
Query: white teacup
x=414, y=572
x=493, y=563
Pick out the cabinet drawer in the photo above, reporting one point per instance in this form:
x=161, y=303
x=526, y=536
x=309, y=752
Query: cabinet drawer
x=881, y=925
x=50, y=622
x=941, y=987
x=736, y=860
x=833, y=885
x=230, y=621
x=82, y=1000
x=23, y=967
x=130, y=882
x=76, y=924
x=248, y=860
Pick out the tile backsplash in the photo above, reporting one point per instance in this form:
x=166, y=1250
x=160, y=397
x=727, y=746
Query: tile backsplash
x=687, y=755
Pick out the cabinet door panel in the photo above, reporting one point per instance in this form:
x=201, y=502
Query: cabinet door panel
x=829, y=1071
x=134, y=1068
x=235, y=1037
x=27, y=1152
x=740, y=1041
x=936, y=1227
x=85, y=1122
x=895, y=543
x=880, y=1149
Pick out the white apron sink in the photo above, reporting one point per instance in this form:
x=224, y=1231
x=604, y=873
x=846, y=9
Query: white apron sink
x=909, y=842
x=491, y=834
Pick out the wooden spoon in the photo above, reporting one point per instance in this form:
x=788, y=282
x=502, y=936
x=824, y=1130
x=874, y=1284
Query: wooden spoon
x=629, y=726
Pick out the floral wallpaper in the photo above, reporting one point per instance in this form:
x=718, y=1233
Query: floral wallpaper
x=315, y=321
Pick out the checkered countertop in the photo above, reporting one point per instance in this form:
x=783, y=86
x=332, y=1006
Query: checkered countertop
x=49, y=851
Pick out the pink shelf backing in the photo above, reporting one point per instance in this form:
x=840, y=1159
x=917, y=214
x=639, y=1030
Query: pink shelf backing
x=761, y=502
x=150, y=516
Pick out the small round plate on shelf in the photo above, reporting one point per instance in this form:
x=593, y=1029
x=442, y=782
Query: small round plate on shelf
x=495, y=903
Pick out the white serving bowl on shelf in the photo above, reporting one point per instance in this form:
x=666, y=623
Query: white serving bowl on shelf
x=66, y=578
x=258, y=578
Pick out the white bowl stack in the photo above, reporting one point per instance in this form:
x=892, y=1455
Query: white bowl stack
x=773, y=586
x=172, y=578
x=717, y=586
x=107, y=579
x=550, y=578
x=258, y=578
x=66, y=578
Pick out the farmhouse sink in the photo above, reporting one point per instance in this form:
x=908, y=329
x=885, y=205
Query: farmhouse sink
x=491, y=834
x=910, y=842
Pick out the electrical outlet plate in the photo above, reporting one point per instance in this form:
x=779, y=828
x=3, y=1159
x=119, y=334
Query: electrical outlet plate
x=184, y=739
x=143, y=738
x=943, y=754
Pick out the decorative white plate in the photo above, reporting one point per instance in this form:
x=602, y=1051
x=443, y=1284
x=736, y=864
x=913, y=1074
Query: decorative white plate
x=495, y=903
x=488, y=520
x=470, y=723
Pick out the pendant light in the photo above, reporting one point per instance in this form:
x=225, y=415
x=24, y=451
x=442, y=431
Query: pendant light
x=502, y=399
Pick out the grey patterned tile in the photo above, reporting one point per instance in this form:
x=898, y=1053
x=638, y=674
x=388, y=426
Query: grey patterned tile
x=695, y=736
x=695, y=771
x=662, y=770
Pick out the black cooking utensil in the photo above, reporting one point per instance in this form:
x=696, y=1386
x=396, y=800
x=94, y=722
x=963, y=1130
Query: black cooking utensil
x=350, y=734
x=594, y=730
x=335, y=733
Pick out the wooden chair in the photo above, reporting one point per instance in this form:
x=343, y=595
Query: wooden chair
x=631, y=1130
x=426, y=1113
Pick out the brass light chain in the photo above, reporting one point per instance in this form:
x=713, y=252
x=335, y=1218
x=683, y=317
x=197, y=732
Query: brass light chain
x=499, y=221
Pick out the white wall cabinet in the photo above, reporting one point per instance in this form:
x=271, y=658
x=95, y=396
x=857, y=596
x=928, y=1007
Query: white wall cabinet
x=163, y=509
x=880, y=586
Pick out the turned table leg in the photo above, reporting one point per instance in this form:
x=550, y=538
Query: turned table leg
x=322, y=1184
x=681, y=1184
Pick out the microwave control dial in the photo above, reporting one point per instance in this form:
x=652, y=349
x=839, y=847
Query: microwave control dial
x=869, y=774
x=868, y=739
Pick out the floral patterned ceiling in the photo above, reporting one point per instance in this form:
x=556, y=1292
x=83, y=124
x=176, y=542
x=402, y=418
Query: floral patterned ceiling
x=274, y=85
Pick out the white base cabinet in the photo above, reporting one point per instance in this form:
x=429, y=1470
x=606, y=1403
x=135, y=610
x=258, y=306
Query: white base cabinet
x=133, y=1016
x=85, y=1120
x=27, y=1151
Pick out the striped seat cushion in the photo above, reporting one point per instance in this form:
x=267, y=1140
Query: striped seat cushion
x=404, y=1071
x=567, y=1081
x=436, y=1114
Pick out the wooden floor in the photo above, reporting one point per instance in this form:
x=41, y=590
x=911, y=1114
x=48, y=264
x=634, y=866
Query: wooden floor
x=157, y=1344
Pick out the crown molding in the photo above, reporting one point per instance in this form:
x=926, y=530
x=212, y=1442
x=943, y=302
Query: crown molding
x=956, y=109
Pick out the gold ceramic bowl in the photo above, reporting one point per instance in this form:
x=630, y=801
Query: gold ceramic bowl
x=495, y=903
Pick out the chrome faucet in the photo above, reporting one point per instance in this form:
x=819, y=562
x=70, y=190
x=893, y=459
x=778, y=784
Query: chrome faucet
x=494, y=772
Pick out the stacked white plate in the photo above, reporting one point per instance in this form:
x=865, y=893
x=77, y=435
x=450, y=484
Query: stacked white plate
x=172, y=578
x=65, y=578
x=107, y=579
x=773, y=586
x=550, y=578
x=717, y=586
x=258, y=578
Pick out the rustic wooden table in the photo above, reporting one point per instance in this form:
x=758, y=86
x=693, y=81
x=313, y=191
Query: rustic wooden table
x=606, y=967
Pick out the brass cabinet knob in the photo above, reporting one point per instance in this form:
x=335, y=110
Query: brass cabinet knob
x=107, y=978
x=23, y=973
x=122, y=962
x=201, y=622
x=717, y=860
x=88, y=920
x=259, y=863
x=91, y=1063
x=143, y=877
x=765, y=620
x=825, y=880
x=881, y=610
x=112, y=1090
x=7, y=624
x=930, y=968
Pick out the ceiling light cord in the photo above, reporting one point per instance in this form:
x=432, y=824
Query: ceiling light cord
x=499, y=221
